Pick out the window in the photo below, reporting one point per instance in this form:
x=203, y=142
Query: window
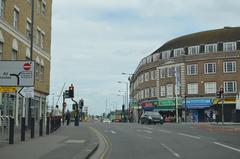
x=147, y=93
x=41, y=73
x=149, y=59
x=1, y=50
x=230, y=46
x=166, y=54
x=178, y=52
x=14, y=54
x=153, y=75
x=142, y=94
x=147, y=76
x=42, y=38
x=163, y=91
x=230, y=87
x=169, y=90
x=229, y=66
x=153, y=92
x=192, y=88
x=156, y=56
x=43, y=8
x=28, y=29
x=192, y=69
x=193, y=50
x=210, y=87
x=211, y=48
x=209, y=68
x=38, y=37
x=2, y=8
x=170, y=71
x=163, y=72
x=37, y=71
x=15, y=18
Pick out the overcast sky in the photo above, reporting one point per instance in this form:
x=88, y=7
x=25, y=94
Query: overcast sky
x=94, y=41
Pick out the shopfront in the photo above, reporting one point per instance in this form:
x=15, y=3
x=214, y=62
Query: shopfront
x=229, y=108
x=198, y=109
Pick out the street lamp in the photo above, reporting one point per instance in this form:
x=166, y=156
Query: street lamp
x=126, y=92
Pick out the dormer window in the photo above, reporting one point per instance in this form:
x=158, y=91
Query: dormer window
x=193, y=50
x=178, y=52
x=166, y=54
x=229, y=46
x=210, y=48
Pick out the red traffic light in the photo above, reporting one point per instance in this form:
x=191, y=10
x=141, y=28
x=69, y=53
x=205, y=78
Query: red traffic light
x=221, y=90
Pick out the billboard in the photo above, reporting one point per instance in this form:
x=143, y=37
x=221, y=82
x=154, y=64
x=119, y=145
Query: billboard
x=17, y=73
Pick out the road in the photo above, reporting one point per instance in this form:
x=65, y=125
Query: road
x=168, y=141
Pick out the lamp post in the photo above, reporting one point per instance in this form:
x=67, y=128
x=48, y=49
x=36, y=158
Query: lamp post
x=126, y=92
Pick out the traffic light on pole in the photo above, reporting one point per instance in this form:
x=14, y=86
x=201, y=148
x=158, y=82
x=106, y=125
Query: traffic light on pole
x=71, y=91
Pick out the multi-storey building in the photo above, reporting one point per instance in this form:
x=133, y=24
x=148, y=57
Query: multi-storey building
x=15, y=41
x=190, y=70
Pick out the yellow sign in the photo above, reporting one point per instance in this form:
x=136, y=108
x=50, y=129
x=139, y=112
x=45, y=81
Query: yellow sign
x=228, y=100
x=8, y=89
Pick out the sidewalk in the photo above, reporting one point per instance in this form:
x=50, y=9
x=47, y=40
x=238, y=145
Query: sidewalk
x=67, y=142
x=226, y=127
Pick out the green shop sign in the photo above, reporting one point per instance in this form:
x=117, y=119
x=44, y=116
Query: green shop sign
x=169, y=102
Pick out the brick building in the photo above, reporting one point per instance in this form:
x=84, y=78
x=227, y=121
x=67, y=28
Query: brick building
x=190, y=69
x=15, y=36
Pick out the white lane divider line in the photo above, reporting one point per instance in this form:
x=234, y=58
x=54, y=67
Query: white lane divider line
x=187, y=135
x=164, y=131
x=171, y=150
x=145, y=137
x=147, y=128
x=146, y=131
x=229, y=147
x=113, y=132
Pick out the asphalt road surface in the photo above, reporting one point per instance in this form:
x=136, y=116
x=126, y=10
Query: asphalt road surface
x=168, y=141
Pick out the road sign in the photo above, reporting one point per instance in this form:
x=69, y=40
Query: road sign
x=27, y=92
x=8, y=89
x=17, y=73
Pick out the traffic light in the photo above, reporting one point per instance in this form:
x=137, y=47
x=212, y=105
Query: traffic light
x=66, y=94
x=123, y=108
x=220, y=92
x=71, y=91
x=81, y=103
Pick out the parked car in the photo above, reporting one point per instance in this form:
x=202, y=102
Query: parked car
x=106, y=121
x=151, y=117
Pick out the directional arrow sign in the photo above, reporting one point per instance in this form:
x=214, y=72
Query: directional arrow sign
x=17, y=73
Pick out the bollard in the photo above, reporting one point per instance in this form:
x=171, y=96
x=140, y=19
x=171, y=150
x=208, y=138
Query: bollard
x=47, y=127
x=32, y=127
x=41, y=127
x=11, y=131
x=23, y=129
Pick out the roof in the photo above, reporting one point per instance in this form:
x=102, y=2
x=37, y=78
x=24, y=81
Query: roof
x=226, y=34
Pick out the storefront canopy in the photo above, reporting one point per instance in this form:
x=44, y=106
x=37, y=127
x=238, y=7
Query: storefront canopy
x=198, y=103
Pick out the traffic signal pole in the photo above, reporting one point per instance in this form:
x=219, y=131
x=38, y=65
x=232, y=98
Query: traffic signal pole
x=76, y=123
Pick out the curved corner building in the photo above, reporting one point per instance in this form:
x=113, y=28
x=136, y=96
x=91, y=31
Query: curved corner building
x=190, y=69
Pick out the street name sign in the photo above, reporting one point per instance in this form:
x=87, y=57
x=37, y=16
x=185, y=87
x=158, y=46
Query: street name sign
x=17, y=73
x=8, y=89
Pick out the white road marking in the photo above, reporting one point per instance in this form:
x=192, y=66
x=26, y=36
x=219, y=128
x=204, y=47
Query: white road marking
x=171, y=150
x=147, y=128
x=113, y=132
x=147, y=131
x=187, y=135
x=74, y=141
x=229, y=147
x=164, y=131
x=145, y=137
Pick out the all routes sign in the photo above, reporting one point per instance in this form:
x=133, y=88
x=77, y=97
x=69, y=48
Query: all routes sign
x=17, y=73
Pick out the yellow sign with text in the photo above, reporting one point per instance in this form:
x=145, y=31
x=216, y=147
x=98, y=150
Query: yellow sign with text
x=8, y=89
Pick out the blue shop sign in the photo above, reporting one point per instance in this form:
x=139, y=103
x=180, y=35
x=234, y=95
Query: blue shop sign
x=198, y=103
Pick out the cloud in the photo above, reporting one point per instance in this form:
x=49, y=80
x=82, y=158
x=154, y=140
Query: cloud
x=94, y=41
